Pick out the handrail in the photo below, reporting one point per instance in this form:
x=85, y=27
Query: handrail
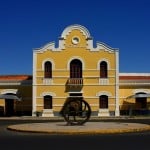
x=75, y=81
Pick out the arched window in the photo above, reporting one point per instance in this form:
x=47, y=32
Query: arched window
x=48, y=70
x=76, y=69
x=47, y=102
x=103, y=101
x=103, y=69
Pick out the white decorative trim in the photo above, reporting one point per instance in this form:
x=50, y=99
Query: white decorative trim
x=61, y=44
x=34, y=83
x=141, y=90
x=117, y=112
x=86, y=97
x=85, y=77
x=12, y=91
x=54, y=77
x=58, y=105
x=47, y=93
x=94, y=105
x=104, y=93
x=61, y=70
x=94, y=84
x=76, y=57
x=34, y=67
x=103, y=81
x=46, y=60
x=49, y=46
x=75, y=40
x=47, y=113
x=134, y=74
x=102, y=46
x=47, y=81
x=68, y=29
x=90, y=44
x=8, y=83
x=134, y=84
x=103, y=112
x=39, y=105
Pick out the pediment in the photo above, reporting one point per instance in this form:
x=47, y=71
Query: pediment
x=76, y=36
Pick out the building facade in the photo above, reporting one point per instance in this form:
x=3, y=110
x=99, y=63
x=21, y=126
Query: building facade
x=15, y=95
x=134, y=93
x=76, y=70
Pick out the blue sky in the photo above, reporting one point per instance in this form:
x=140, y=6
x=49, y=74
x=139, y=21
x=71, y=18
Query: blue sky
x=29, y=24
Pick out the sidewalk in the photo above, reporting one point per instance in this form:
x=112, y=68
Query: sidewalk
x=87, y=128
x=59, y=118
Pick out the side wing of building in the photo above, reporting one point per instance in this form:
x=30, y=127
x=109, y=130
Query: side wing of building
x=15, y=95
x=134, y=91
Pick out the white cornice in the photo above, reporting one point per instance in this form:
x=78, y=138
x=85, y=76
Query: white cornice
x=49, y=46
x=134, y=74
x=8, y=82
x=105, y=47
x=99, y=47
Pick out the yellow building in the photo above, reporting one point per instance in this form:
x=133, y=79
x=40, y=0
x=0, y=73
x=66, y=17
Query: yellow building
x=15, y=95
x=75, y=70
x=134, y=93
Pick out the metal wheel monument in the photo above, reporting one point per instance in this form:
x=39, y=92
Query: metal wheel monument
x=76, y=112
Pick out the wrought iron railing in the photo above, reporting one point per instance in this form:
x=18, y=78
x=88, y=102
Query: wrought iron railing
x=75, y=81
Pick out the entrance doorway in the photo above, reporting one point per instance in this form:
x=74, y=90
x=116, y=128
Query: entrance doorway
x=141, y=103
x=9, y=107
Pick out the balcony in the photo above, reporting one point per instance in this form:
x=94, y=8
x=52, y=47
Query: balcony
x=75, y=81
x=74, y=84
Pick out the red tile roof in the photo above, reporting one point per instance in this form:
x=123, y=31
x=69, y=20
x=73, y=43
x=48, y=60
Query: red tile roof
x=134, y=77
x=15, y=77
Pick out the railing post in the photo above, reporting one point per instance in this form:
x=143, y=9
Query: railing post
x=75, y=81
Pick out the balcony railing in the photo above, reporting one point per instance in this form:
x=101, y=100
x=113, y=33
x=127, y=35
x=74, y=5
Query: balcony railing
x=75, y=81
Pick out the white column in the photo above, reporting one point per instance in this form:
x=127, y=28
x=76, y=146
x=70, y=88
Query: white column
x=34, y=85
x=117, y=111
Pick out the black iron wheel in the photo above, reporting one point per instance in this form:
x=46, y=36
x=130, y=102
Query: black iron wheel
x=76, y=112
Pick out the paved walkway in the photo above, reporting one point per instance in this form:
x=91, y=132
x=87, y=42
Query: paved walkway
x=87, y=128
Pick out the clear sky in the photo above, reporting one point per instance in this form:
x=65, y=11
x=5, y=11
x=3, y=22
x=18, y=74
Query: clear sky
x=29, y=24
